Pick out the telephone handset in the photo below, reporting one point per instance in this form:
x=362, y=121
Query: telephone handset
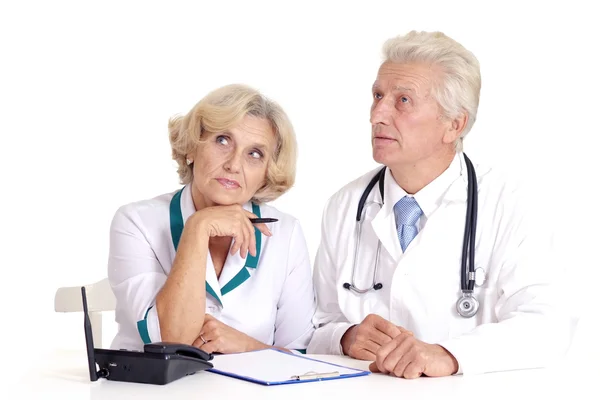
x=178, y=349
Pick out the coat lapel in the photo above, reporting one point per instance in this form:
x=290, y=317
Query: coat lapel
x=384, y=227
x=213, y=287
x=237, y=269
x=233, y=270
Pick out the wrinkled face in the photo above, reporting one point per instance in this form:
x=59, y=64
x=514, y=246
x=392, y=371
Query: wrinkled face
x=407, y=123
x=230, y=166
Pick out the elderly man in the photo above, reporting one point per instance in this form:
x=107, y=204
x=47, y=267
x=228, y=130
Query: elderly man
x=430, y=265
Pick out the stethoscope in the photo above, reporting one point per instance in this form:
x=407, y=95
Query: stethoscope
x=467, y=305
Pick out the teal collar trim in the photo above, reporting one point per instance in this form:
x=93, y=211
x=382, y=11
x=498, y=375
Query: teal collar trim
x=252, y=261
x=176, y=221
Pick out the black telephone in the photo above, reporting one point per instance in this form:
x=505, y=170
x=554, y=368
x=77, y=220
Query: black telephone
x=159, y=363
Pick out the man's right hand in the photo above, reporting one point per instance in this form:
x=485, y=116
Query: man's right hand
x=363, y=340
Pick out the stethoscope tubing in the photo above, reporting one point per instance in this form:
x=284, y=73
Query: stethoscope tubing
x=468, y=251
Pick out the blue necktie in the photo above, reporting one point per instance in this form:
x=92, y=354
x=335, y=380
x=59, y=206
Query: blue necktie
x=407, y=213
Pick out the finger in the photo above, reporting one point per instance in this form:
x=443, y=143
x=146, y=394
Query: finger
x=404, y=355
x=387, y=328
x=252, y=241
x=386, y=360
x=368, y=345
x=211, y=332
x=237, y=232
x=363, y=354
x=261, y=227
x=375, y=335
x=208, y=341
x=248, y=237
x=414, y=370
x=198, y=342
x=243, y=241
x=204, y=336
x=404, y=330
x=382, y=354
x=373, y=367
x=249, y=214
x=212, y=346
x=237, y=243
x=264, y=229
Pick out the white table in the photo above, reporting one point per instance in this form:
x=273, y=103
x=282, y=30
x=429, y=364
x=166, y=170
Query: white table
x=64, y=375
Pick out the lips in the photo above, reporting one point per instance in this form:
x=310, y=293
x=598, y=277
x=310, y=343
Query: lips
x=383, y=139
x=228, y=183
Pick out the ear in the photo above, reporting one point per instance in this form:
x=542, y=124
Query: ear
x=191, y=156
x=455, y=128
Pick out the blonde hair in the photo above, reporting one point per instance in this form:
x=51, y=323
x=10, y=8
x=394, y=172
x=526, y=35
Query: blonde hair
x=224, y=108
x=460, y=86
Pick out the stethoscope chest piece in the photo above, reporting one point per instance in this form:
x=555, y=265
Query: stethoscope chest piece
x=467, y=305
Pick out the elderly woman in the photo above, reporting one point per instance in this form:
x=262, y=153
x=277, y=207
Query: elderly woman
x=191, y=266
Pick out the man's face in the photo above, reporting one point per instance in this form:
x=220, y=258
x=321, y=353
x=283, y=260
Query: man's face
x=407, y=122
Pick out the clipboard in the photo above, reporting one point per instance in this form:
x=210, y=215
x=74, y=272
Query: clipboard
x=272, y=367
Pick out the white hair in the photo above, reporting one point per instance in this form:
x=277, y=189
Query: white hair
x=458, y=91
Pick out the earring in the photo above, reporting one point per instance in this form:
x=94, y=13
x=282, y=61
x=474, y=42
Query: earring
x=188, y=161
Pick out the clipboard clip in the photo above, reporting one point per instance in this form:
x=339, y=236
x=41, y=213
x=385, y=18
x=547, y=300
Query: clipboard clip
x=315, y=375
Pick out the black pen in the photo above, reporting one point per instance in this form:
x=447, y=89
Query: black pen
x=263, y=220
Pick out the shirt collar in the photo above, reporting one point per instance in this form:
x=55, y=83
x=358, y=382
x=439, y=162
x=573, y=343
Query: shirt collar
x=187, y=203
x=430, y=197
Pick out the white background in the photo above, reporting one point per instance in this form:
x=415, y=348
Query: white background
x=86, y=89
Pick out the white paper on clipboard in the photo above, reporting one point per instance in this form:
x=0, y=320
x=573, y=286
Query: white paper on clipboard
x=274, y=367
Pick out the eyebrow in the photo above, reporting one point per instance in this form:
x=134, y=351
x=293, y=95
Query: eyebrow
x=396, y=88
x=259, y=146
x=402, y=89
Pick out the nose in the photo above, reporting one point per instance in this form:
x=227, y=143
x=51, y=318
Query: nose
x=233, y=163
x=381, y=112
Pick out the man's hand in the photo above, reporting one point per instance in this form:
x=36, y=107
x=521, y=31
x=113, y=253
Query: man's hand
x=405, y=356
x=363, y=341
x=217, y=337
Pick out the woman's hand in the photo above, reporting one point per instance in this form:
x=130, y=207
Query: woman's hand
x=231, y=221
x=216, y=337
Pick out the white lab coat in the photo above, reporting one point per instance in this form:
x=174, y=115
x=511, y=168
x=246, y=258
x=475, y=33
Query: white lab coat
x=274, y=305
x=518, y=324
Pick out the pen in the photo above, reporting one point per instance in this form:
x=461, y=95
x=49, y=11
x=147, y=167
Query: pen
x=263, y=220
x=315, y=375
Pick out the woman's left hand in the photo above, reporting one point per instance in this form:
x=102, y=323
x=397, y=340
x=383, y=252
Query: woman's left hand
x=216, y=337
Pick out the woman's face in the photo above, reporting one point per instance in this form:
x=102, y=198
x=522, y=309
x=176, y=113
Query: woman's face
x=230, y=166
